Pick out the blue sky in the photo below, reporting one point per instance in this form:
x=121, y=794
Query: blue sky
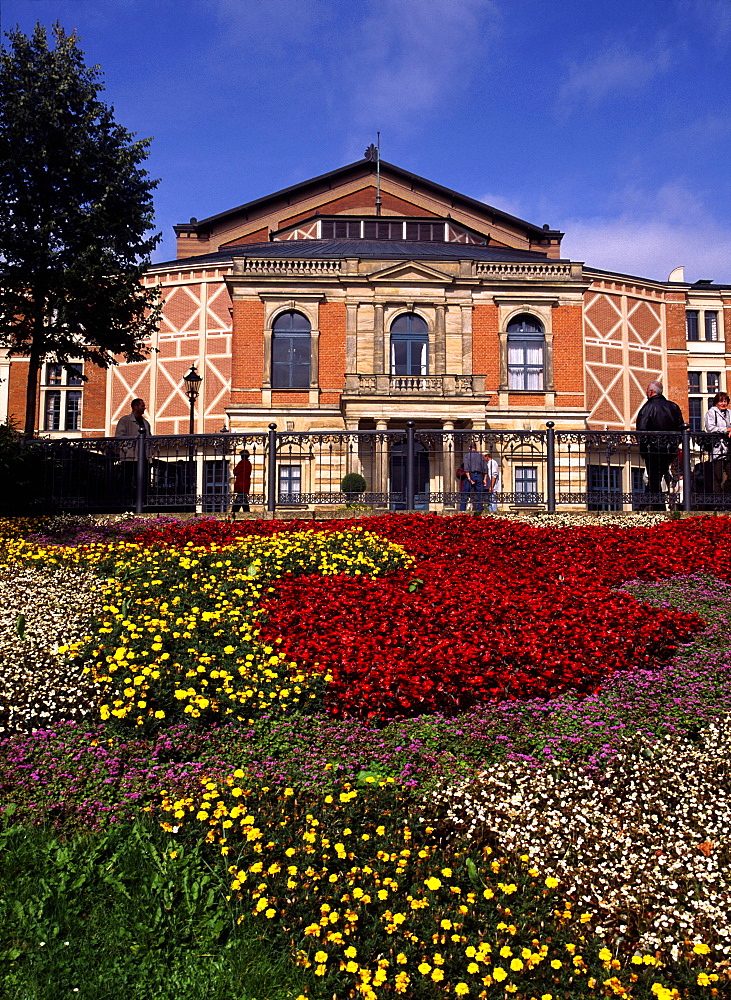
x=608, y=119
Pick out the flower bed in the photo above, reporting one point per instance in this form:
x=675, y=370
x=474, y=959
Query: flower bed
x=493, y=833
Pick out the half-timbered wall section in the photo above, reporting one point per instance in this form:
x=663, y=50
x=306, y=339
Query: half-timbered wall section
x=195, y=330
x=626, y=347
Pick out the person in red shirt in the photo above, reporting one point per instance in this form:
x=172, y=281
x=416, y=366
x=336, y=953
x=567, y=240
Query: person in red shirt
x=242, y=483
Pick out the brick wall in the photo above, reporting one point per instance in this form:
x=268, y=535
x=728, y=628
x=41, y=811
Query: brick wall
x=17, y=385
x=94, y=402
x=332, y=350
x=676, y=383
x=568, y=355
x=486, y=345
x=246, y=349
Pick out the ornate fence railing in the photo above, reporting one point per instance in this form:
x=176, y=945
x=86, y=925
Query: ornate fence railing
x=411, y=468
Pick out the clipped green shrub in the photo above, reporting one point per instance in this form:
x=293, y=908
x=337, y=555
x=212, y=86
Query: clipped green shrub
x=353, y=482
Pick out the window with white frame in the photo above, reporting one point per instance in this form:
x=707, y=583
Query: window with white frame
x=290, y=482
x=702, y=387
x=61, y=395
x=291, y=351
x=697, y=320
x=525, y=480
x=409, y=345
x=526, y=349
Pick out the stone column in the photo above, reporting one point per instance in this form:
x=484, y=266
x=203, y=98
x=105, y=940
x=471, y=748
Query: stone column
x=378, y=340
x=448, y=464
x=440, y=341
x=466, y=340
x=381, y=461
x=351, y=338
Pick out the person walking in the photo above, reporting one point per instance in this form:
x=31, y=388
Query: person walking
x=242, y=484
x=475, y=468
x=658, y=449
x=493, y=484
x=131, y=425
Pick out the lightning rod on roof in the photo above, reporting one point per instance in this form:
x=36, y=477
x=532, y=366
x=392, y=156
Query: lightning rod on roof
x=373, y=154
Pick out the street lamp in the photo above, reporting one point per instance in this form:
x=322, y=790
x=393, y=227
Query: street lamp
x=192, y=390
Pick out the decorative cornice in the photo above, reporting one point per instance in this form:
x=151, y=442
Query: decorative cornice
x=286, y=266
x=548, y=270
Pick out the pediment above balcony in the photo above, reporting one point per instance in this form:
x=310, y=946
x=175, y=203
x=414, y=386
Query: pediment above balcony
x=407, y=272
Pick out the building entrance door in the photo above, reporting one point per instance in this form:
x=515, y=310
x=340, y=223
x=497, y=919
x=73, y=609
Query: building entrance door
x=398, y=477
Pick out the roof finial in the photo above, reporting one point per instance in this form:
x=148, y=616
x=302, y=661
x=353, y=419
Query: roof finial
x=373, y=154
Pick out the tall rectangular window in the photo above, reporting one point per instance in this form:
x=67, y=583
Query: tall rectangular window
x=61, y=404
x=638, y=488
x=694, y=381
x=526, y=484
x=713, y=380
x=52, y=411
x=710, y=320
x=695, y=417
x=73, y=410
x=691, y=324
x=606, y=481
x=290, y=481
x=215, y=485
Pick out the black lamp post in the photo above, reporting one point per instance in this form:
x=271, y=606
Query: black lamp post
x=192, y=390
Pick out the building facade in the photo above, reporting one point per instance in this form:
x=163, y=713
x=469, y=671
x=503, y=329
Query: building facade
x=357, y=301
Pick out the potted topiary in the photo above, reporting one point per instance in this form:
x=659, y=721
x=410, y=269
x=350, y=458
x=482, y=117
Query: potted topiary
x=352, y=486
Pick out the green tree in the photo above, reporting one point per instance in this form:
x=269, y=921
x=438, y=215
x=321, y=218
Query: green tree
x=76, y=214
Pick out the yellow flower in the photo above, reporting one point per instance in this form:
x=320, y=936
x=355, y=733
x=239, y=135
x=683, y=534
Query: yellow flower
x=350, y=952
x=555, y=964
x=498, y=974
x=516, y=965
x=551, y=882
x=701, y=949
x=321, y=956
x=432, y=883
x=424, y=968
x=703, y=979
x=437, y=975
x=605, y=955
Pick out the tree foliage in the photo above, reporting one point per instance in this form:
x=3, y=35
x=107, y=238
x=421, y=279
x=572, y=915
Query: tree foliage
x=76, y=214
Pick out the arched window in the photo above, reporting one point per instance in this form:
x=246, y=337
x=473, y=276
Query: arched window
x=291, y=351
x=409, y=342
x=526, y=343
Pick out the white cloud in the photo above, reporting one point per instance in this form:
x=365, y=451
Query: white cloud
x=410, y=56
x=506, y=203
x=616, y=69
x=652, y=235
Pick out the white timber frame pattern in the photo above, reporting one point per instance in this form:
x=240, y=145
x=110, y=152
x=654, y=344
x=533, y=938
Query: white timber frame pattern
x=625, y=349
x=195, y=329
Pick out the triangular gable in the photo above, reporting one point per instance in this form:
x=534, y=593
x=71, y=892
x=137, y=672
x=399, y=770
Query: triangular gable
x=410, y=270
x=350, y=190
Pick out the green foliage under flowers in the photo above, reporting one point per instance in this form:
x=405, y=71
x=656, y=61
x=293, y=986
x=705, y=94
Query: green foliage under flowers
x=127, y=913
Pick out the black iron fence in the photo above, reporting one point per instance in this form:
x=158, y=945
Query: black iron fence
x=412, y=468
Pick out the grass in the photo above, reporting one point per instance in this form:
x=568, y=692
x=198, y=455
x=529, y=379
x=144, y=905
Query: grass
x=130, y=912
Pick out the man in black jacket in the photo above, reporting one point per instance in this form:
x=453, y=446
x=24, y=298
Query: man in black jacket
x=658, y=450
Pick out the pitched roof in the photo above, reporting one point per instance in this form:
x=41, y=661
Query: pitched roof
x=365, y=249
x=364, y=168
